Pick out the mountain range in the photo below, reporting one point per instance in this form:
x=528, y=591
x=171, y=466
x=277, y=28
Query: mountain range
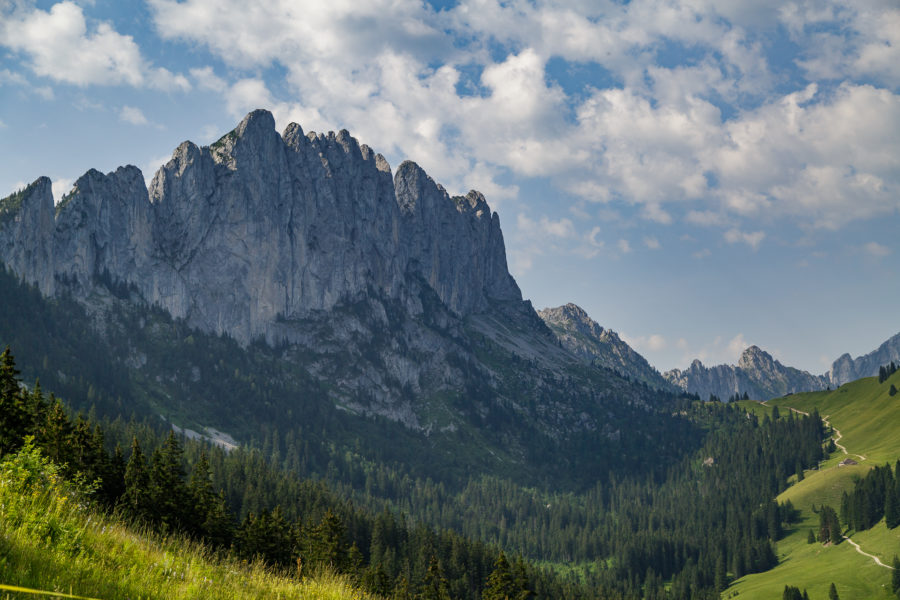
x=392, y=295
x=304, y=257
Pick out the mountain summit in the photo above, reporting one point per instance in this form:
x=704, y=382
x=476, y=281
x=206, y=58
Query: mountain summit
x=260, y=229
x=393, y=297
x=585, y=338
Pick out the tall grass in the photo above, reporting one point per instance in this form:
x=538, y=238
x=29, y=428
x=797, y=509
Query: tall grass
x=52, y=538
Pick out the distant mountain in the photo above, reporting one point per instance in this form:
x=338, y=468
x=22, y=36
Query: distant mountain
x=757, y=374
x=761, y=377
x=846, y=369
x=584, y=338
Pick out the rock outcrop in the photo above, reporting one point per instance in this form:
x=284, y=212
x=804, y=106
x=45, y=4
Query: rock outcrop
x=260, y=229
x=846, y=369
x=757, y=374
x=582, y=336
x=389, y=293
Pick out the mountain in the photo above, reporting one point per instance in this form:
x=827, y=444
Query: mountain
x=761, y=377
x=846, y=369
x=584, y=338
x=291, y=282
x=757, y=374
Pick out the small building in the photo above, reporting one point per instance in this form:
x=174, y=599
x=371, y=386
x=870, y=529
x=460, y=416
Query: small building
x=847, y=462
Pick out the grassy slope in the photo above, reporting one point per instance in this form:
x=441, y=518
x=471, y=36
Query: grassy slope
x=869, y=420
x=50, y=540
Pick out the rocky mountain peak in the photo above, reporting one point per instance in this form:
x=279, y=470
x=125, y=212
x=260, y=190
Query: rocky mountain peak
x=585, y=338
x=753, y=357
x=259, y=229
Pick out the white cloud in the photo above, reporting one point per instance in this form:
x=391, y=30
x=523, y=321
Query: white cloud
x=735, y=348
x=652, y=243
x=546, y=227
x=133, y=115
x=706, y=218
x=206, y=79
x=60, y=46
x=876, y=249
x=623, y=246
x=430, y=85
x=752, y=239
x=651, y=343
x=61, y=186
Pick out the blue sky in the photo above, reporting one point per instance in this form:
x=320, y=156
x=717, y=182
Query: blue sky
x=697, y=175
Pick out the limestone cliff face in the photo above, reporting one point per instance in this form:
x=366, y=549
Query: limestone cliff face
x=260, y=230
x=582, y=336
x=846, y=369
x=757, y=374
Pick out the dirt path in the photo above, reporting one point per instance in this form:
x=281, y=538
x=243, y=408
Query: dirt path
x=872, y=556
x=839, y=436
x=861, y=457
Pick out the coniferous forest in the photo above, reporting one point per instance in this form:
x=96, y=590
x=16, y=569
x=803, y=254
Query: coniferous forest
x=684, y=533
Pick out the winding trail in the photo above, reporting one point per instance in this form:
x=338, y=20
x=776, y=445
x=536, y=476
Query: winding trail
x=861, y=457
x=872, y=556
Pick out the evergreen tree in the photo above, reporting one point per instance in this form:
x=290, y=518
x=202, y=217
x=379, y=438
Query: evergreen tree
x=136, y=500
x=13, y=411
x=434, y=586
x=326, y=544
x=892, y=504
x=500, y=584
x=895, y=579
x=168, y=490
x=832, y=593
x=811, y=538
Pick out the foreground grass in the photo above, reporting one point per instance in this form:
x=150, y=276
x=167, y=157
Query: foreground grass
x=52, y=539
x=869, y=420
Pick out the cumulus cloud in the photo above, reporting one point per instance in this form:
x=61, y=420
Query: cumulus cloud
x=60, y=46
x=752, y=239
x=133, y=115
x=623, y=246
x=876, y=249
x=61, y=186
x=714, y=141
x=650, y=343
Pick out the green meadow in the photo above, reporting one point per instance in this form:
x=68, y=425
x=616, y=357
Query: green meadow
x=53, y=539
x=868, y=420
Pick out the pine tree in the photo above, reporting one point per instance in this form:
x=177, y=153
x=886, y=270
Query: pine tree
x=326, y=544
x=136, y=500
x=892, y=505
x=811, y=538
x=434, y=586
x=202, y=495
x=895, y=579
x=500, y=585
x=13, y=411
x=168, y=490
x=832, y=593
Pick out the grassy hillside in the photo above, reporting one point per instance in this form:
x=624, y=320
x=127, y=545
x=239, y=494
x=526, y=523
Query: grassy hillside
x=51, y=539
x=868, y=421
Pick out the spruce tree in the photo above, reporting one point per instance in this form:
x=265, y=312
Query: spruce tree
x=892, y=505
x=168, y=490
x=832, y=593
x=895, y=579
x=13, y=411
x=136, y=500
x=500, y=585
x=434, y=586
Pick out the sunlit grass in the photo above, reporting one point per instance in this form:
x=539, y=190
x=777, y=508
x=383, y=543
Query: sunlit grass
x=51, y=538
x=869, y=420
